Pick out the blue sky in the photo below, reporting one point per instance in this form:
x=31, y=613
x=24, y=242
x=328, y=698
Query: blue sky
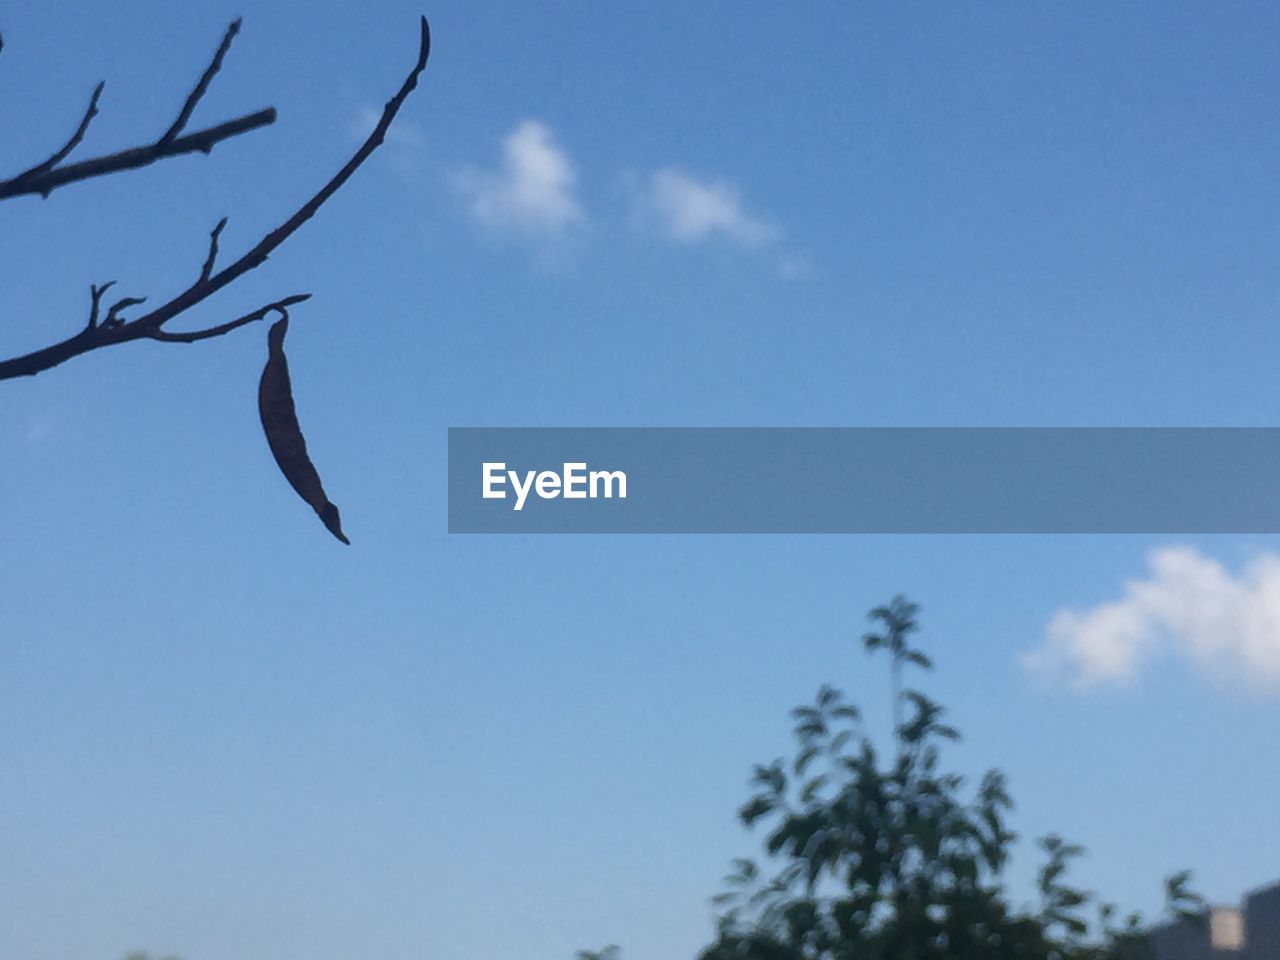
x=224, y=735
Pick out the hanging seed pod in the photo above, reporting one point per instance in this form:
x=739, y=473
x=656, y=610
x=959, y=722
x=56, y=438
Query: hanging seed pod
x=284, y=436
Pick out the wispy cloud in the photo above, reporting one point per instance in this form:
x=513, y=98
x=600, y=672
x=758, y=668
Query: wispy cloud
x=1188, y=604
x=533, y=192
x=691, y=210
x=403, y=133
x=793, y=266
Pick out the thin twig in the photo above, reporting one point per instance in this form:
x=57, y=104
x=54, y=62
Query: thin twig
x=95, y=298
x=65, y=150
x=113, y=318
x=202, y=85
x=223, y=328
x=213, y=250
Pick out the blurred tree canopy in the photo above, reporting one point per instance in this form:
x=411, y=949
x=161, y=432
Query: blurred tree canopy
x=892, y=857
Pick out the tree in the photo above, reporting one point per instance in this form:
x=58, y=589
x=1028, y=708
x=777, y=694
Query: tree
x=895, y=859
x=107, y=324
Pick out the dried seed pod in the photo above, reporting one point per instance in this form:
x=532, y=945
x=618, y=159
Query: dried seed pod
x=284, y=436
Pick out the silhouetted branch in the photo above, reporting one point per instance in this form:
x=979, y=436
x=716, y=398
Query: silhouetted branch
x=95, y=294
x=113, y=318
x=213, y=249
x=90, y=112
x=149, y=326
x=195, y=335
x=202, y=85
x=46, y=177
x=201, y=141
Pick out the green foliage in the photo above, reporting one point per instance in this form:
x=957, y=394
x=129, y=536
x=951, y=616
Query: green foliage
x=895, y=858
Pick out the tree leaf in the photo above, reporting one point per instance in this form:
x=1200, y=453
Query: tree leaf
x=284, y=435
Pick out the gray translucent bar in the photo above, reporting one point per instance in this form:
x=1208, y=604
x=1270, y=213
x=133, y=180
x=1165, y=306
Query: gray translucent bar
x=871, y=480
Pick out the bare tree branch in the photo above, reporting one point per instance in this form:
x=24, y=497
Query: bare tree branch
x=46, y=177
x=201, y=141
x=95, y=294
x=202, y=85
x=149, y=326
x=71, y=144
x=195, y=335
x=113, y=318
x=213, y=249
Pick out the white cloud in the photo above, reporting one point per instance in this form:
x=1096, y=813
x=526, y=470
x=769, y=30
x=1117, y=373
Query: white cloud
x=690, y=210
x=1188, y=604
x=533, y=192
